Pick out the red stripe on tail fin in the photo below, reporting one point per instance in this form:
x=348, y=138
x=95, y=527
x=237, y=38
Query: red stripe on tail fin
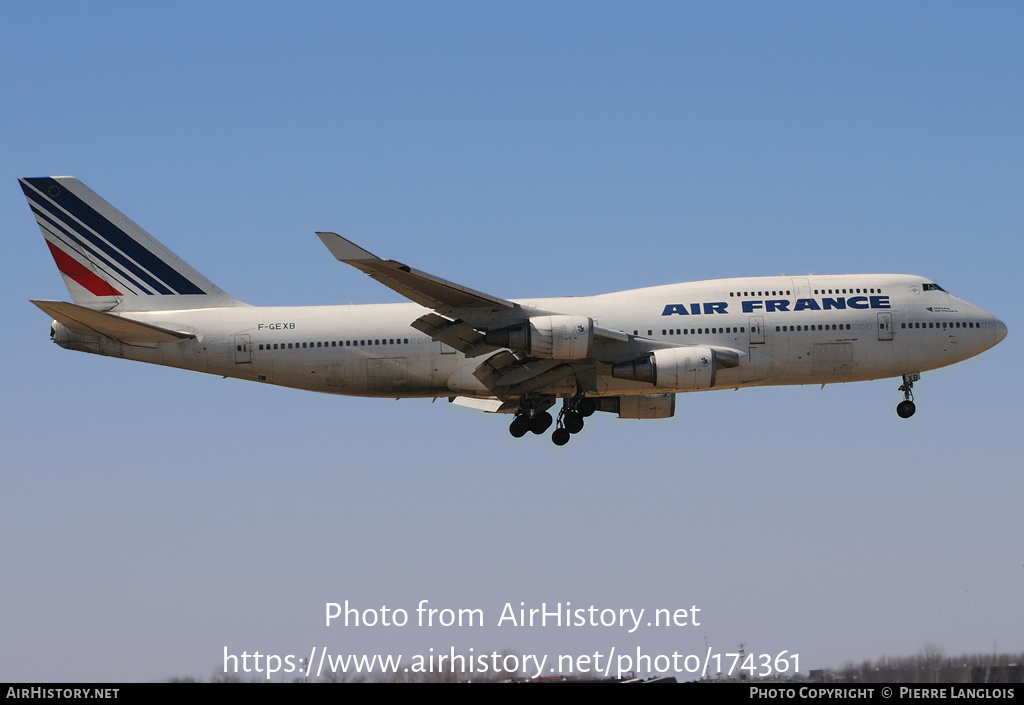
x=76, y=270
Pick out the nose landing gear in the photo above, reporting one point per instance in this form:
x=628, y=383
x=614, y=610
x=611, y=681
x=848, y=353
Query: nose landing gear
x=906, y=408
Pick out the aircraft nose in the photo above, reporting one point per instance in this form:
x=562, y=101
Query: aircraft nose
x=1000, y=330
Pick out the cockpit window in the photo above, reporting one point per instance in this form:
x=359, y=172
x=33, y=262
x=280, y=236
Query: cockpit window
x=933, y=287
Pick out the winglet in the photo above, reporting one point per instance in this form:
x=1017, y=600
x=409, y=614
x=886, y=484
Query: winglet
x=345, y=250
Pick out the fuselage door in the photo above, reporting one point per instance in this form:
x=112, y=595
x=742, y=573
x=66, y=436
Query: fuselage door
x=756, y=330
x=885, y=326
x=243, y=348
x=801, y=288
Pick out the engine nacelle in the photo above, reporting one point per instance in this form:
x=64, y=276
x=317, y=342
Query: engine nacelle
x=642, y=406
x=554, y=337
x=672, y=369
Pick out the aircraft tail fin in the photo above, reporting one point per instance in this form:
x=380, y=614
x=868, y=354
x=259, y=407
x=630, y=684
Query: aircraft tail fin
x=107, y=261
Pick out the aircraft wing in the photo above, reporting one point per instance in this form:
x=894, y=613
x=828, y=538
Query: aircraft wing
x=464, y=318
x=466, y=309
x=425, y=289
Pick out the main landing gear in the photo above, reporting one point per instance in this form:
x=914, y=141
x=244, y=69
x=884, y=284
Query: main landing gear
x=570, y=418
x=530, y=420
x=906, y=408
x=569, y=423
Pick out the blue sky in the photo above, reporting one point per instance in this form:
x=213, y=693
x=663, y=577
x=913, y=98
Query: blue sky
x=152, y=517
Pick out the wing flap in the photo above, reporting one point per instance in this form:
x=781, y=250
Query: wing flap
x=491, y=406
x=458, y=334
x=537, y=382
x=508, y=376
x=494, y=368
x=86, y=321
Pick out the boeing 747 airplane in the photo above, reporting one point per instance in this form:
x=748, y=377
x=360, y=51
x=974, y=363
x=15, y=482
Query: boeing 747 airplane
x=628, y=352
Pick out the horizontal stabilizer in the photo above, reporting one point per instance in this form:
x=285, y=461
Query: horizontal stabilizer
x=85, y=321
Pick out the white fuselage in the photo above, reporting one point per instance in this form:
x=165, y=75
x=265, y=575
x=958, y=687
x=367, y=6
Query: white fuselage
x=785, y=330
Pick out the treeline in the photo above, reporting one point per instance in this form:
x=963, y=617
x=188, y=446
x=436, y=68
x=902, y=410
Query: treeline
x=930, y=666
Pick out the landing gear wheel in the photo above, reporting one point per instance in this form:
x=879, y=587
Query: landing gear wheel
x=586, y=407
x=573, y=422
x=560, y=437
x=541, y=422
x=520, y=426
x=906, y=409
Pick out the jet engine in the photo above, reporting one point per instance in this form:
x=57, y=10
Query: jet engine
x=672, y=369
x=643, y=406
x=556, y=337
